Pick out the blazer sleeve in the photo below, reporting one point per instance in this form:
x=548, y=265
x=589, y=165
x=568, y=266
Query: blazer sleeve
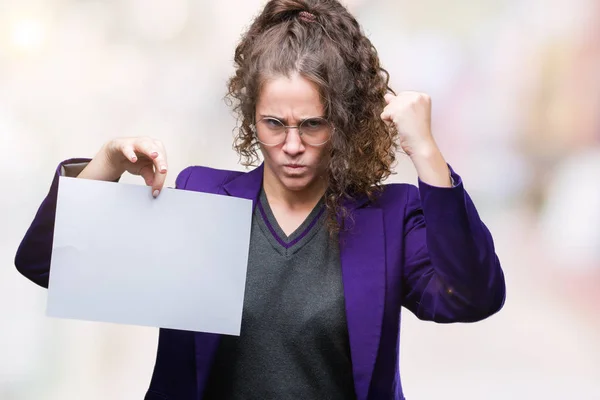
x=33, y=255
x=451, y=270
x=35, y=251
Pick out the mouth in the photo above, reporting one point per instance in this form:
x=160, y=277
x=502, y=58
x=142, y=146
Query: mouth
x=294, y=168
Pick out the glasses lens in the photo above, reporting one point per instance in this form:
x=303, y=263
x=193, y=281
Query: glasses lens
x=270, y=131
x=315, y=131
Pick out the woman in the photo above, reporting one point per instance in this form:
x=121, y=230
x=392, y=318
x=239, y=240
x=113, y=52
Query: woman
x=334, y=253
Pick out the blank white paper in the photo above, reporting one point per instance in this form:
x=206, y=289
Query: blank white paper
x=178, y=261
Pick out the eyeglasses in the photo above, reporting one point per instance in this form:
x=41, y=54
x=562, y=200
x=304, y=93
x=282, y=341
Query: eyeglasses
x=272, y=132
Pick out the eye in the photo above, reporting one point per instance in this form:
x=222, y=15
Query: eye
x=314, y=124
x=272, y=123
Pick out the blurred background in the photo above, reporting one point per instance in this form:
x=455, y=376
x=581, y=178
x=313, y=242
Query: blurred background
x=516, y=95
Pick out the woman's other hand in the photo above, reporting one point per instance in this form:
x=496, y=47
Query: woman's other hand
x=141, y=156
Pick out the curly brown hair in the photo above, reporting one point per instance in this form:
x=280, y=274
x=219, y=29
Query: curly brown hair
x=332, y=52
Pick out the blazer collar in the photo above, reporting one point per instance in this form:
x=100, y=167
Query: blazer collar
x=248, y=185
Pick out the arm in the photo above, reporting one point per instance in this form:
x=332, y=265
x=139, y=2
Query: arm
x=140, y=156
x=451, y=271
x=34, y=252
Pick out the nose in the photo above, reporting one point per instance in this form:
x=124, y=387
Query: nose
x=293, y=143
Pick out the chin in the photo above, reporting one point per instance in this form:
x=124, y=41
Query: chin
x=296, y=183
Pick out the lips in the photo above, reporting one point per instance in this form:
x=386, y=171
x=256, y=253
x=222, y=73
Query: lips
x=294, y=169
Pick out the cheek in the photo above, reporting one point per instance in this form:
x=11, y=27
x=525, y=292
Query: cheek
x=321, y=157
x=267, y=152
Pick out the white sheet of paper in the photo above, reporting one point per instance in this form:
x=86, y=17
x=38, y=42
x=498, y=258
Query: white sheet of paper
x=178, y=261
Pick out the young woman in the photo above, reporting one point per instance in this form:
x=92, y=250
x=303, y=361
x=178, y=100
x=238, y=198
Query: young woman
x=334, y=252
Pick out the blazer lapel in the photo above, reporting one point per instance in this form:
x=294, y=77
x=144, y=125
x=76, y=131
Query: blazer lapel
x=245, y=186
x=206, y=345
x=362, y=253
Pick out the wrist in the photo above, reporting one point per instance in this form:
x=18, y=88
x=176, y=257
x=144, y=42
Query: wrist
x=425, y=151
x=431, y=166
x=102, y=167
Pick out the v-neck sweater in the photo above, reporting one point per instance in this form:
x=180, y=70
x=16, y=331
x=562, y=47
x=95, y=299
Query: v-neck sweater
x=294, y=337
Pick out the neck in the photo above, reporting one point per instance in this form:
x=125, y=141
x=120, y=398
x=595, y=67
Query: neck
x=306, y=198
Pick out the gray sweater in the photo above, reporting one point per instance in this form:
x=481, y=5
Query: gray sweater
x=294, y=338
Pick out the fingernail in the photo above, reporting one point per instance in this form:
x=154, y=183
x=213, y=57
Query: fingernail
x=163, y=169
x=155, y=193
x=133, y=159
x=154, y=155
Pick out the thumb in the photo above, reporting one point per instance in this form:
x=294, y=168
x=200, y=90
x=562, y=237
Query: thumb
x=386, y=116
x=147, y=173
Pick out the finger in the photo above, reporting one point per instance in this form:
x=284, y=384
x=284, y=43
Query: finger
x=160, y=168
x=386, y=115
x=161, y=158
x=155, y=151
x=387, y=118
x=388, y=98
x=129, y=152
x=145, y=147
x=158, y=182
x=147, y=172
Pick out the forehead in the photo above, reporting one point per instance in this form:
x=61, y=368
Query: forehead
x=290, y=97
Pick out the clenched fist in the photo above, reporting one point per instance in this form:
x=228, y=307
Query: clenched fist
x=410, y=112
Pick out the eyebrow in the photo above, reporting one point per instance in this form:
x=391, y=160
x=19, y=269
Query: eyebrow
x=284, y=120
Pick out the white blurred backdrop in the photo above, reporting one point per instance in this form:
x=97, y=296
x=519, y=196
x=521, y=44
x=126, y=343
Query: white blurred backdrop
x=516, y=94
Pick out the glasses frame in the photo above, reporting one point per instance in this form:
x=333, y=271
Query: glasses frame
x=287, y=129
